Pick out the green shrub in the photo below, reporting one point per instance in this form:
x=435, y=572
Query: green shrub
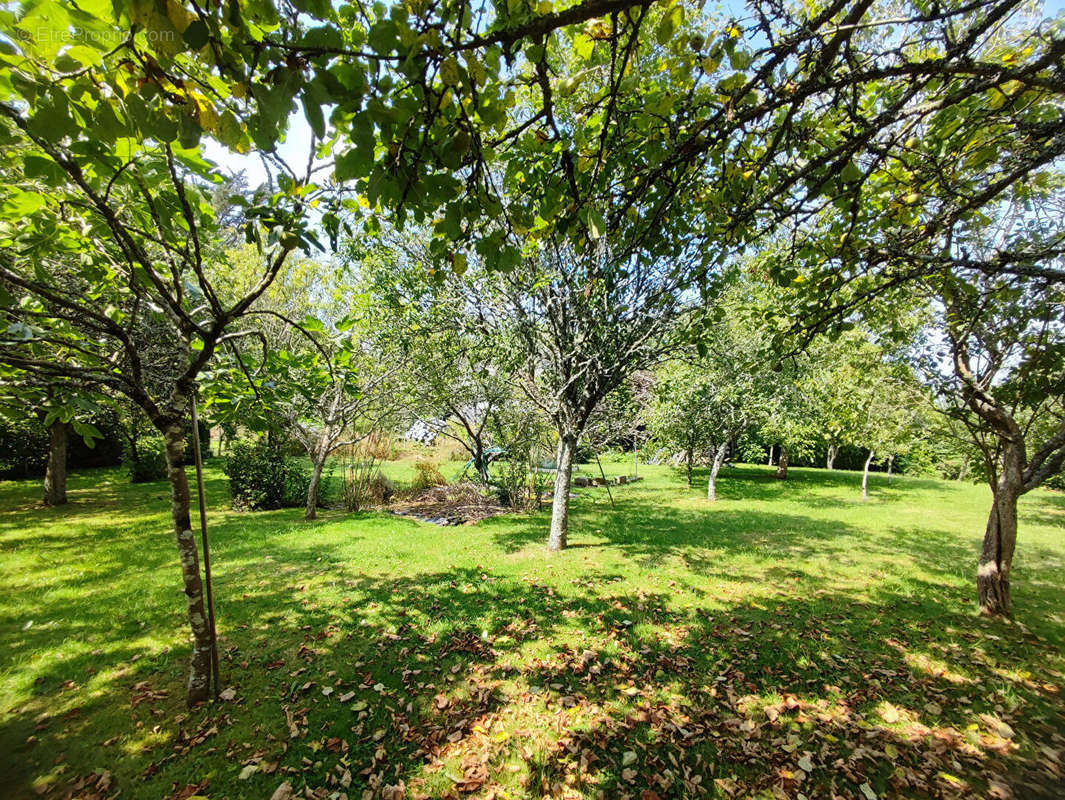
x=364, y=485
x=426, y=475
x=261, y=477
x=148, y=463
x=584, y=453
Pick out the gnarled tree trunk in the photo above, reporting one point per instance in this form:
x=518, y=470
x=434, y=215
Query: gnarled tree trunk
x=567, y=447
x=173, y=431
x=55, y=475
x=711, y=485
x=830, y=462
x=865, y=475
x=1000, y=536
x=782, y=463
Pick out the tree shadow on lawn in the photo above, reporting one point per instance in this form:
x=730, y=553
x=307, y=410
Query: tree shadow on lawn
x=1046, y=508
x=471, y=678
x=706, y=538
x=460, y=676
x=804, y=485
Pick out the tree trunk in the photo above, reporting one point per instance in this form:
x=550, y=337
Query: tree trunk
x=1000, y=537
x=200, y=665
x=312, y=488
x=865, y=475
x=567, y=446
x=782, y=463
x=478, y=460
x=890, y=464
x=831, y=460
x=691, y=458
x=711, y=486
x=769, y=462
x=964, y=468
x=55, y=476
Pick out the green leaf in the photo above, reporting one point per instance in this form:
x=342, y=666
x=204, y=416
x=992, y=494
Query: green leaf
x=583, y=46
x=664, y=31
x=196, y=35
x=87, y=431
x=188, y=131
x=596, y=224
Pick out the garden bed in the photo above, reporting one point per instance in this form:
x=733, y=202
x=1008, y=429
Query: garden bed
x=458, y=504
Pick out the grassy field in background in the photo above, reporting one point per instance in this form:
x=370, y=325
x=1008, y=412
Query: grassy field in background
x=789, y=640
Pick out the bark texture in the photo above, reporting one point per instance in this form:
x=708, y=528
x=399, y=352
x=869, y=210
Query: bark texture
x=782, y=463
x=711, y=485
x=200, y=664
x=567, y=447
x=312, y=489
x=1000, y=536
x=830, y=462
x=865, y=475
x=55, y=475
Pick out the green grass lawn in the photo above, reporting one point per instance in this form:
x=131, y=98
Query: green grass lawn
x=787, y=641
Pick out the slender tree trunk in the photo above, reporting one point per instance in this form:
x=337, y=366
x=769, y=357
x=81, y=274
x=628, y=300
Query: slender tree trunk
x=691, y=458
x=964, y=468
x=55, y=475
x=312, y=487
x=782, y=463
x=890, y=464
x=865, y=475
x=200, y=665
x=830, y=462
x=478, y=460
x=567, y=446
x=769, y=462
x=711, y=486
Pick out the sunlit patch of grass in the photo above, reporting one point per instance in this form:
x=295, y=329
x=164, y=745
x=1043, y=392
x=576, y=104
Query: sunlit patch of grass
x=676, y=644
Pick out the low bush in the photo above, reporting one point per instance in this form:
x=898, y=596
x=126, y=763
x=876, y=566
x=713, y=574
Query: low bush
x=584, y=453
x=147, y=463
x=364, y=485
x=261, y=477
x=426, y=475
x=518, y=487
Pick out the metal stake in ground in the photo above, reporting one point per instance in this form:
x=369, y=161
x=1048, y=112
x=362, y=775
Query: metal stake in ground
x=606, y=483
x=206, y=548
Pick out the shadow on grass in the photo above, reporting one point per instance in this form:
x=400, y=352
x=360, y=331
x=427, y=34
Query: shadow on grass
x=457, y=674
x=464, y=679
